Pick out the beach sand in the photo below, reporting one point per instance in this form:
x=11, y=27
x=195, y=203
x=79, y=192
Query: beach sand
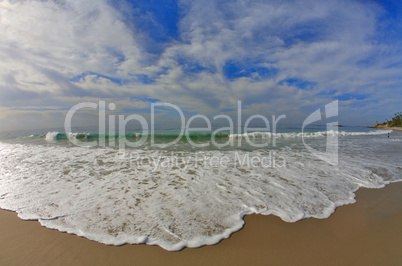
x=368, y=232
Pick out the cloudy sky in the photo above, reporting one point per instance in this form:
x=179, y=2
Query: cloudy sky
x=277, y=57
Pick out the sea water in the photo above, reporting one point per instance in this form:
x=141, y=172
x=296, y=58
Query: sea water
x=179, y=195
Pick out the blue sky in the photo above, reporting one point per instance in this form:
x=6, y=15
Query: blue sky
x=277, y=57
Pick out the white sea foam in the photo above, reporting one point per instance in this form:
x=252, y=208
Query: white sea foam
x=266, y=135
x=182, y=200
x=52, y=136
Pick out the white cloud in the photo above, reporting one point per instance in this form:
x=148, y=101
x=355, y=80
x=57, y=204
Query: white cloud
x=69, y=38
x=63, y=51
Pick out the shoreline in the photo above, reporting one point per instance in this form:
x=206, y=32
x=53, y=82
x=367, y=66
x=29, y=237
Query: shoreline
x=386, y=127
x=367, y=231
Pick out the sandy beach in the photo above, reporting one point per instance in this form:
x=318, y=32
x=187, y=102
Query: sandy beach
x=368, y=232
x=166, y=122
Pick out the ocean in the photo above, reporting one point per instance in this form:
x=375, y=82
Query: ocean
x=179, y=192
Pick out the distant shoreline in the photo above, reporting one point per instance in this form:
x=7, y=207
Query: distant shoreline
x=387, y=127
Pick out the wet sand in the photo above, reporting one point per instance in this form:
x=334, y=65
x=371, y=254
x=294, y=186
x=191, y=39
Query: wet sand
x=368, y=232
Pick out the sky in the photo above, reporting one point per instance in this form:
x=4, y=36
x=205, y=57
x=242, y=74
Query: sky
x=276, y=57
